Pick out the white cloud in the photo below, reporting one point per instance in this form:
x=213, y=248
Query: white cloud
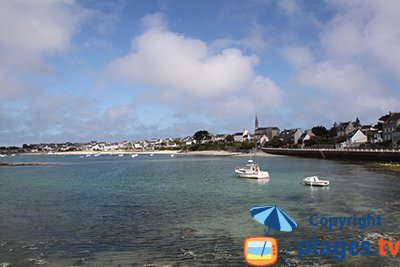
x=32, y=30
x=261, y=93
x=339, y=78
x=298, y=56
x=188, y=74
x=38, y=26
x=351, y=71
x=169, y=60
x=289, y=6
x=156, y=20
x=255, y=42
x=367, y=29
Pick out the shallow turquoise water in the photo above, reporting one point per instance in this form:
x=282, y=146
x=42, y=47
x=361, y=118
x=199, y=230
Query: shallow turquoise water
x=181, y=211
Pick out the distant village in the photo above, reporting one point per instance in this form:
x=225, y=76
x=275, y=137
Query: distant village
x=350, y=134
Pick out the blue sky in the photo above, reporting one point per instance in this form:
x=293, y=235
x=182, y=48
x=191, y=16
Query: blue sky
x=127, y=70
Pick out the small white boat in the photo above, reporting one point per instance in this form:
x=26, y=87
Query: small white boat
x=96, y=155
x=252, y=171
x=172, y=155
x=314, y=180
x=151, y=154
x=13, y=155
x=120, y=155
x=134, y=155
x=3, y=155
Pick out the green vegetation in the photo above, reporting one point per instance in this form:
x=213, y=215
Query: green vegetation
x=229, y=138
x=320, y=131
x=275, y=142
x=201, y=135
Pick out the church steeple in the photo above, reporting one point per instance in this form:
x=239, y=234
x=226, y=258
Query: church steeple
x=256, y=122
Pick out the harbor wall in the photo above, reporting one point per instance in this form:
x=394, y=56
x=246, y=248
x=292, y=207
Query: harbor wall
x=385, y=155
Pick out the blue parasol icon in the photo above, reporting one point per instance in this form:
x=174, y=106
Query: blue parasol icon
x=273, y=217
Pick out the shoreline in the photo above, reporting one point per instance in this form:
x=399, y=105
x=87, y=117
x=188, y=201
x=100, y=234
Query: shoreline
x=221, y=153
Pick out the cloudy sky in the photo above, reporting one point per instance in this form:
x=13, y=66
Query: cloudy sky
x=126, y=70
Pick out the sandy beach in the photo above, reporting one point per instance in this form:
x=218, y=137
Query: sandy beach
x=114, y=152
x=165, y=152
x=231, y=154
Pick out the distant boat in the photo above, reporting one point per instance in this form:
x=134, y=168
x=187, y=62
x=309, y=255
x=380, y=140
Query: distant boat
x=88, y=155
x=252, y=171
x=81, y=157
x=120, y=155
x=172, y=155
x=151, y=154
x=96, y=155
x=3, y=155
x=314, y=180
x=134, y=155
x=13, y=155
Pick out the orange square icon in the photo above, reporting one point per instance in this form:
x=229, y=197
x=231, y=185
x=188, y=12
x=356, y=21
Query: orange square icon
x=260, y=250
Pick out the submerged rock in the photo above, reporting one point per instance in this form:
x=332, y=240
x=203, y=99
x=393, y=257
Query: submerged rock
x=38, y=261
x=188, y=232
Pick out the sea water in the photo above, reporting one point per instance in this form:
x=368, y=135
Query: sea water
x=181, y=211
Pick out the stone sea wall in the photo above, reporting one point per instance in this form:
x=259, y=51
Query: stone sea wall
x=386, y=155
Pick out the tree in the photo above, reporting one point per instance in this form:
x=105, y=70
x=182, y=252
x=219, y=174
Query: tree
x=201, y=135
x=332, y=132
x=229, y=138
x=275, y=142
x=310, y=142
x=320, y=131
x=381, y=120
x=384, y=117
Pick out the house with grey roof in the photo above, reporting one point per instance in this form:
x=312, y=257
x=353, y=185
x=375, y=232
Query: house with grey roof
x=391, y=127
x=269, y=132
x=307, y=135
x=356, y=138
x=291, y=136
x=344, y=128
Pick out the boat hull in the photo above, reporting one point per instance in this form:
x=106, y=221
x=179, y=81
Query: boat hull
x=314, y=181
x=258, y=175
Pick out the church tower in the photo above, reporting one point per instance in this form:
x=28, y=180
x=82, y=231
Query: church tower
x=256, y=122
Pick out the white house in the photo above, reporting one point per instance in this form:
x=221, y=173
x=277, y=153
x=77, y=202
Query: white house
x=219, y=137
x=238, y=137
x=263, y=139
x=307, y=135
x=246, y=134
x=97, y=147
x=243, y=136
x=377, y=138
x=297, y=133
x=137, y=145
x=356, y=137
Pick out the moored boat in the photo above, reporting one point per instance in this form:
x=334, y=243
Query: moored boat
x=251, y=171
x=315, y=181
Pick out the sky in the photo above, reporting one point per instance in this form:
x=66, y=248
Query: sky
x=127, y=70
